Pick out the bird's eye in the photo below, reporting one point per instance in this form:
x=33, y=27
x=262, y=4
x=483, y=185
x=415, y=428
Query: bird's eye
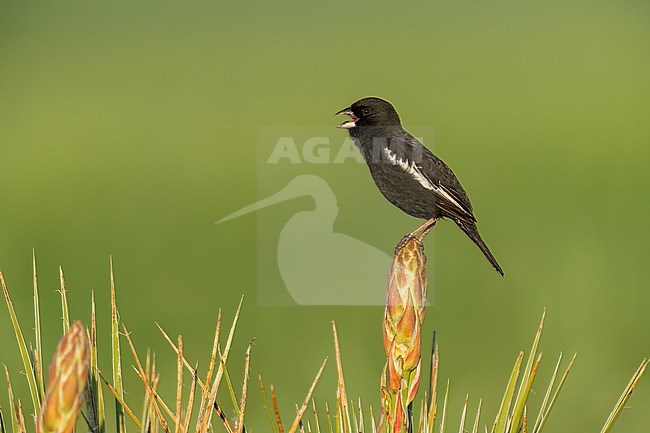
x=366, y=111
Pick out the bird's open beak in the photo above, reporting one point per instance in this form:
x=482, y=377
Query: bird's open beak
x=352, y=123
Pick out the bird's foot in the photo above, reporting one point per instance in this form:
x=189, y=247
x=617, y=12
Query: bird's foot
x=417, y=234
x=403, y=242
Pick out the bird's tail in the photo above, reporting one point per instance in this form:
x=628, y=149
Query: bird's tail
x=471, y=230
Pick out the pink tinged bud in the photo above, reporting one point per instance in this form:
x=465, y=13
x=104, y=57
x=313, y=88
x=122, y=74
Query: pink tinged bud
x=66, y=383
x=405, y=307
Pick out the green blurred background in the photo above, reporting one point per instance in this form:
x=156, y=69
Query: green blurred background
x=128, y=128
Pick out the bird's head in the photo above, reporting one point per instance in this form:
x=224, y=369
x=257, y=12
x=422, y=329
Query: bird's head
x=370, y=112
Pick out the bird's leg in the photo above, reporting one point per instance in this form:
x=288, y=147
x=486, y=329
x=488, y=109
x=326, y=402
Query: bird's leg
x=424, y=226
x=423, y=230
x=430, y=224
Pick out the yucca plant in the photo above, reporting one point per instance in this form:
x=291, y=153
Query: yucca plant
x=406, y=295
x=75, y=377
x=66, y=383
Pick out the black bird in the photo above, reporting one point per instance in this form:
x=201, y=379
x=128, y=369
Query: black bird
x=407, y=173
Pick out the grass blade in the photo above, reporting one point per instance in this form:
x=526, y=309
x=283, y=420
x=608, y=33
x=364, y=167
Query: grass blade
x=190, y=402
x=355, y=422
x=305, y=403
x=330, y=429
x=203, y=426
x=342, y=395
x=145, y=380
x=276, y=410
x=555, y=395
x=12, y=402
x=316, y=422
x=223, y=418
x=478, y=416
x=120, y=421
x=244, y=391
x=94, y=395
x=528, y=377
x=627, y=393
x=179, y=386
x=119, y=401
x=269, y=411
x=231, y=390
x=3, y=429
x=205, y=395
x=24, y=354
x=146, y=418
x=443, y=420
x=156, y=410
x=20, y=419
x=525, y=388
x=361, y=423
x=433, y=386
x=65, y=316
x=463, y=415
x=547, y=396
x=38, y=355
x=502, y=416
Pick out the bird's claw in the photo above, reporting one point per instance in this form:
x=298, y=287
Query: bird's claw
x=405, y=240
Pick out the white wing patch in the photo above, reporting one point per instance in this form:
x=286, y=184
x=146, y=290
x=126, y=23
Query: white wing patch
x=409, y=167
x=414, y=170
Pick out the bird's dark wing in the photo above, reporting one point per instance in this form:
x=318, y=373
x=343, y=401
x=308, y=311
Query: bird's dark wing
x=435, y=176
